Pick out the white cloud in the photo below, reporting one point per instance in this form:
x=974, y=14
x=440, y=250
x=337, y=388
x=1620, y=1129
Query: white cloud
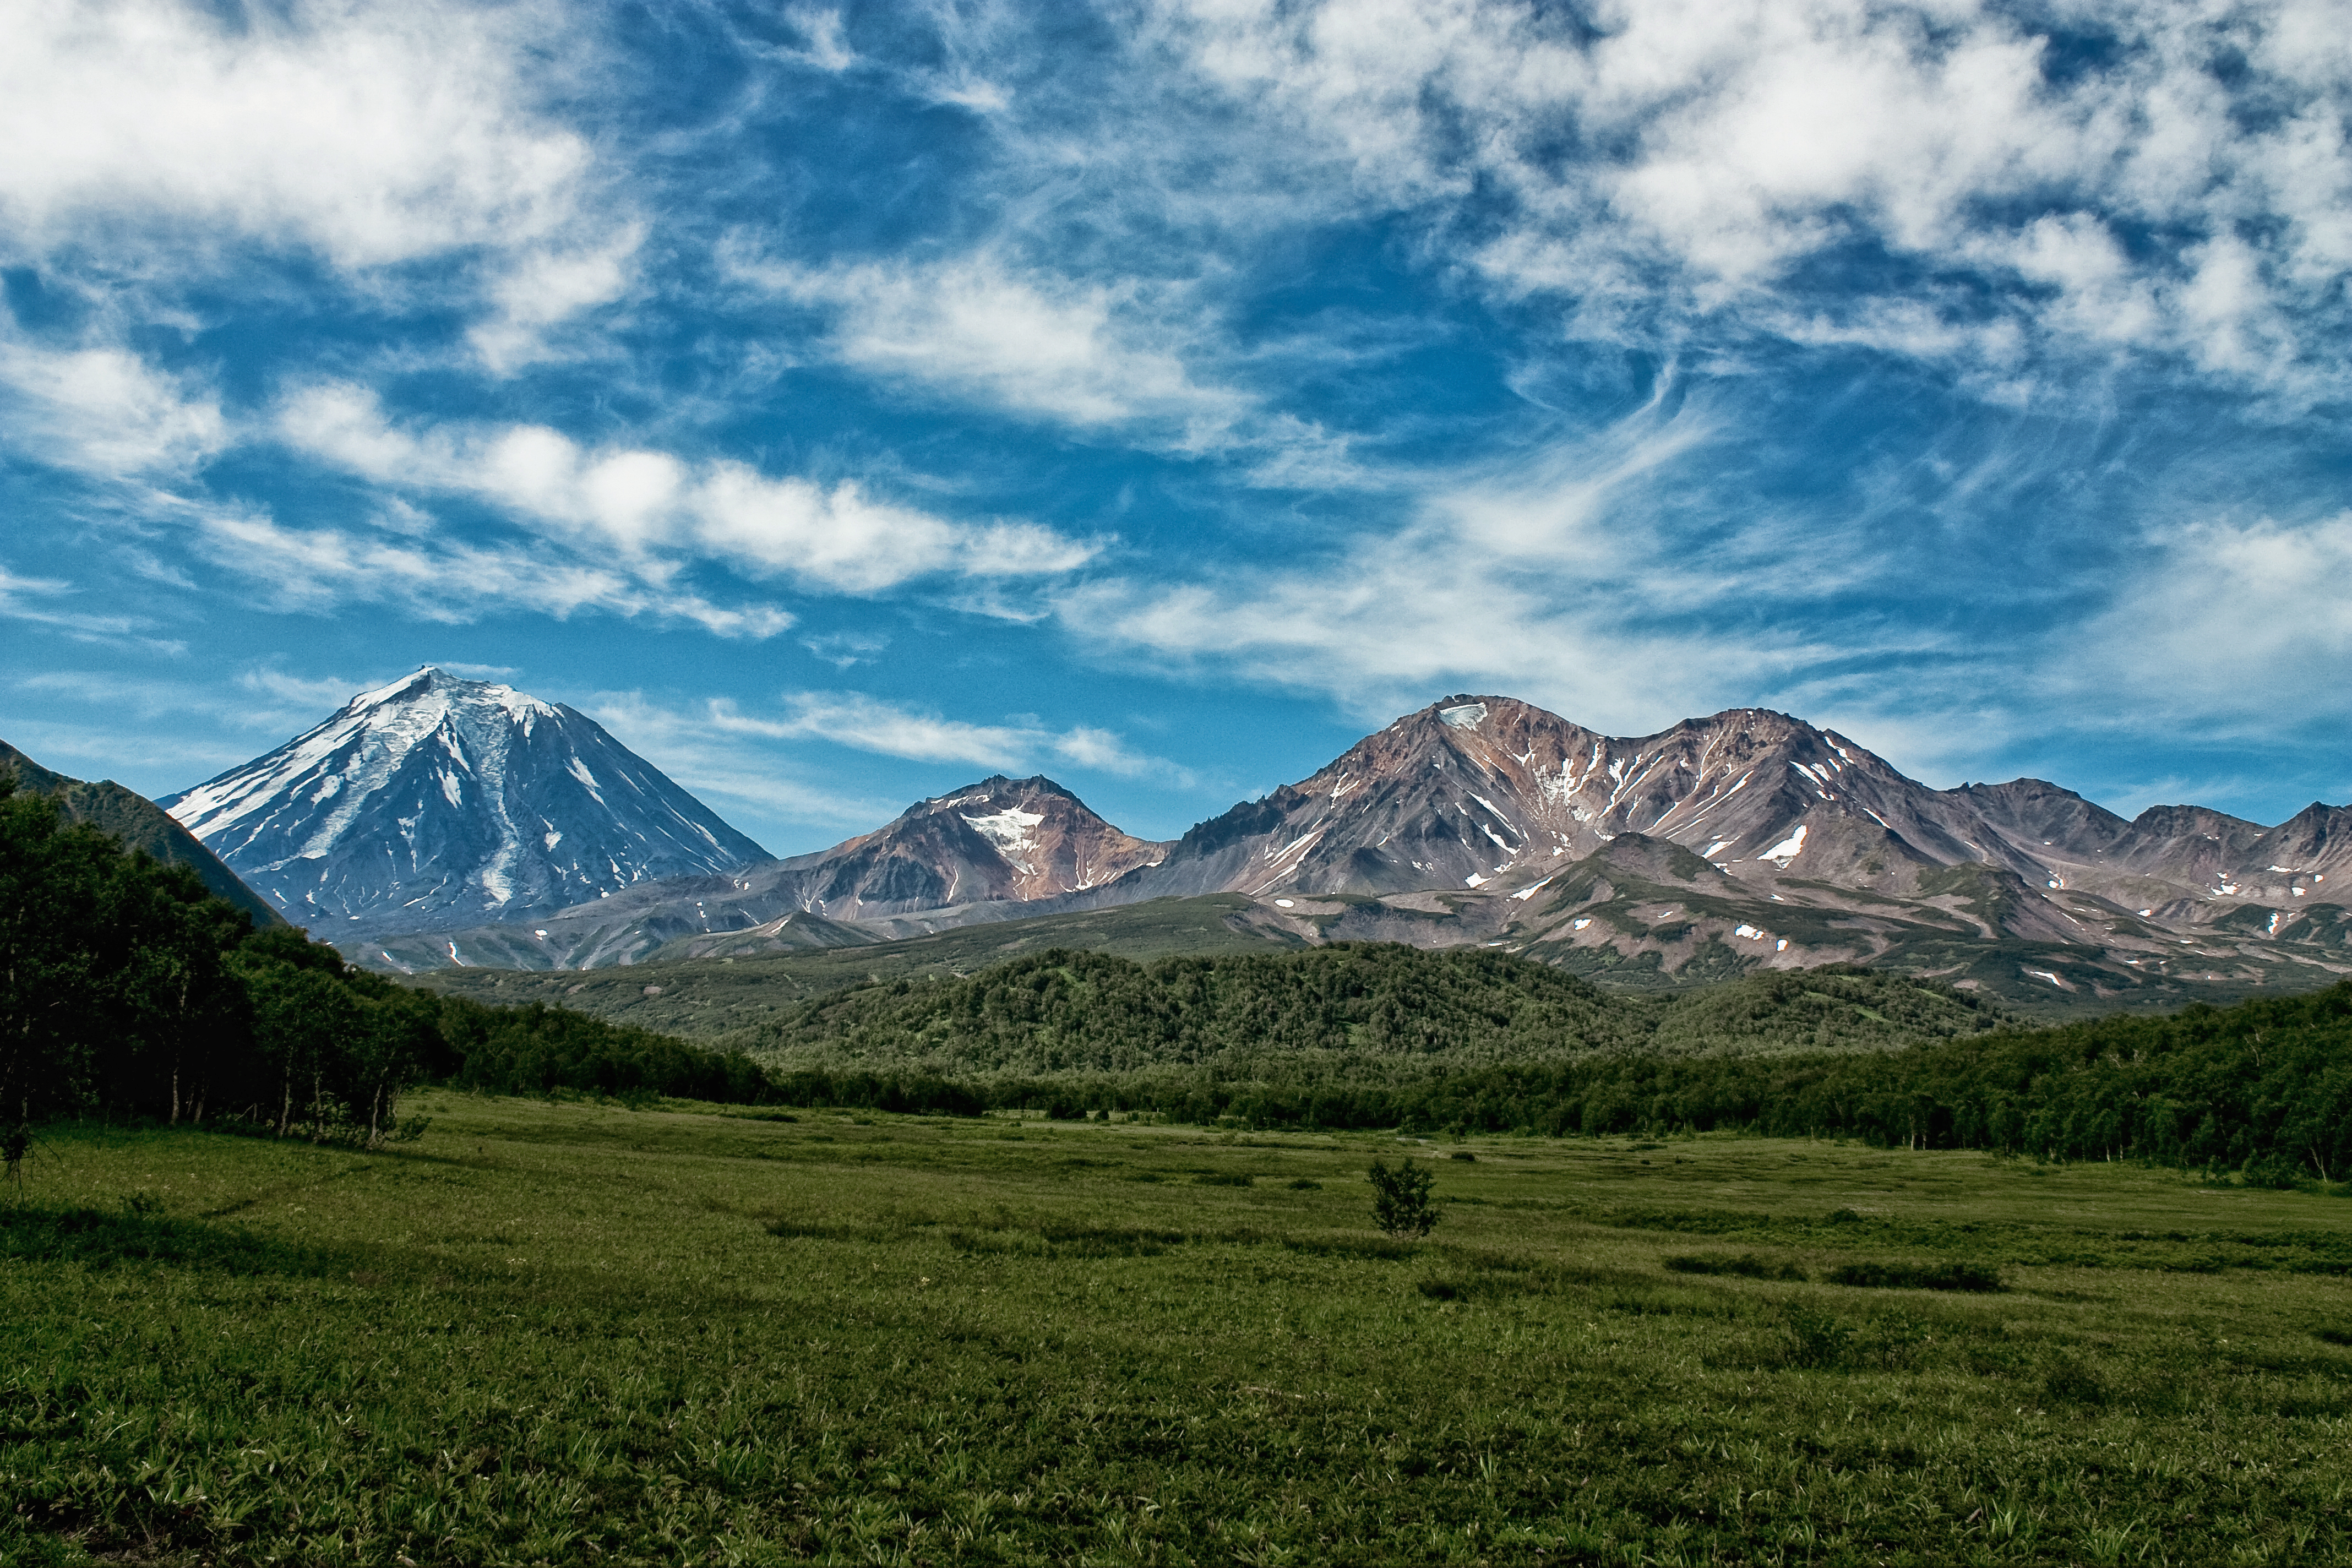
x=105, y=411
x=1033, y=342
x=2237, y=624
x=1546, y=576
x=546, y=287
x=1684, y=162
x=320, y=568
x=166, y=139
x=868, y=723
x=651, y=508
x=38, y=601
x=375, y=134
x=315, y=695
x=843, y=649
x=708, y=758
x=823, y=30
x=261, y=699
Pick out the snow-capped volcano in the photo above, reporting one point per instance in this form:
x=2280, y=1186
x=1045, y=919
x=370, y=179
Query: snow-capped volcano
x=437, y=801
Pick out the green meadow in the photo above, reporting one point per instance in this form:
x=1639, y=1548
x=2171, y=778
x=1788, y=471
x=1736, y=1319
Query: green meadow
x=576, y=1333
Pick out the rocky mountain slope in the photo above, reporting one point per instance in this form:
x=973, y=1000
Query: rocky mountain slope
x=137, y=823
x=1008, y=844
x=437, y=801
x=1747, y=839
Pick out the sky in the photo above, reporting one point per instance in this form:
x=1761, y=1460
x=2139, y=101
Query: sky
x=841, y=404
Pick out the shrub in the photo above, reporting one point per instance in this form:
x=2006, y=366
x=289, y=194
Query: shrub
x=1400, y=1201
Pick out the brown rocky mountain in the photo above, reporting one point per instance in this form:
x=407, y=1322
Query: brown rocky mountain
x=1752, y=839
x=1479, y=791
x=1011, y=843
x=1748, y=838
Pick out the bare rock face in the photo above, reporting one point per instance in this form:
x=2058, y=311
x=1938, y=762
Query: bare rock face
x=437, y=801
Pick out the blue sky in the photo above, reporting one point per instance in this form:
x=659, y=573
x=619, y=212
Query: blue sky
x=843, y=404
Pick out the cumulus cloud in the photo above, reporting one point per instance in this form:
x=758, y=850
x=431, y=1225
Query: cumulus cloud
x=375, y=134
x=165, y=137
x=654, y=510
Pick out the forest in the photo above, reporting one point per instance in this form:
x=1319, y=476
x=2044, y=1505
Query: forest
x=1465, y=1041
x=127, y=990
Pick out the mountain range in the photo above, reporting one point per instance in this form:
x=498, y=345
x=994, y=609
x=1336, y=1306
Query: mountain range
x=1741, y=840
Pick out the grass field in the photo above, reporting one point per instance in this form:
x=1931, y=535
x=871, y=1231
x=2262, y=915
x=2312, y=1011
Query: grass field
x=573, y=1333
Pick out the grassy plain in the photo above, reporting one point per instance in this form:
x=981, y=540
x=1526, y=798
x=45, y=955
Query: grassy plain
x=573, y=1333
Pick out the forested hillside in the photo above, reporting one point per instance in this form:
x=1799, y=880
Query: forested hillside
x=136, y=822
x=1352, y=1008
x=127, y=987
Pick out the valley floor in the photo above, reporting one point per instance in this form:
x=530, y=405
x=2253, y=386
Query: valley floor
x=572, y=1334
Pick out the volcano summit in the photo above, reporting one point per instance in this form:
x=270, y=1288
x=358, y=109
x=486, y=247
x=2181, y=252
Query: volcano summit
x=438, y=802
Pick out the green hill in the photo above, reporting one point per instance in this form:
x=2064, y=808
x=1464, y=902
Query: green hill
x=137, y=823
x=1350, y=1010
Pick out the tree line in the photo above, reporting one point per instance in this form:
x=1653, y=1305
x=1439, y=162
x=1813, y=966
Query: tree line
x=2263, y=1088
x=127, y=988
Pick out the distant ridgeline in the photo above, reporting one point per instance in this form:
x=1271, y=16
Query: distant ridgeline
x=128, y=988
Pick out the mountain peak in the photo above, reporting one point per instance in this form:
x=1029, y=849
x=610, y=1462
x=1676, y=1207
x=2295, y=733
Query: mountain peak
x=435, y=800
x=998, y=839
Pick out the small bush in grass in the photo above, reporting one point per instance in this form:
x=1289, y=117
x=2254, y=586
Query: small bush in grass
x=1817, y=1342
x=2066, y=1381
x=1918, y=1276
x=1748, y=1266
x=1305, y=1184
x=1400, y=1201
